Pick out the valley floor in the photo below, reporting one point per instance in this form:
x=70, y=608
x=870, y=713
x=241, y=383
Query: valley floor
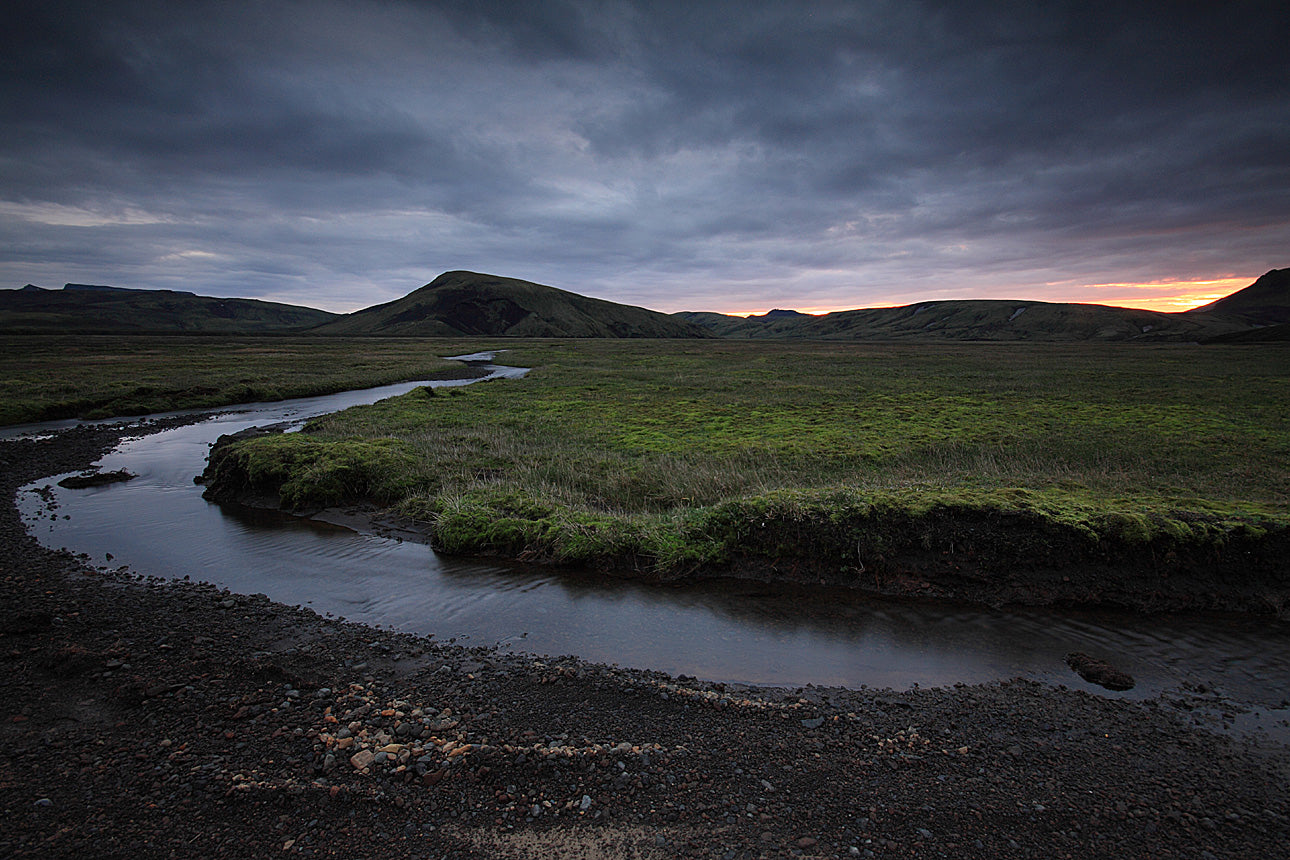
x=170, y=719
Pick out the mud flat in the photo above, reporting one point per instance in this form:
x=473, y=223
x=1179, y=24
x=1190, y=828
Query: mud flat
x=145, y=718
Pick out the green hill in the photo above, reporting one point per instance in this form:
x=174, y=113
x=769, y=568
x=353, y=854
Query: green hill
x=85, y=308
x=472, y=304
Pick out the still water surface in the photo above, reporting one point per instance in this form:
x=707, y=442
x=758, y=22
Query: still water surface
x=159, y=525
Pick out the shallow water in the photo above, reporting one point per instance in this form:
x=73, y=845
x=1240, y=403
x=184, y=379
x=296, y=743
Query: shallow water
x=159, y=525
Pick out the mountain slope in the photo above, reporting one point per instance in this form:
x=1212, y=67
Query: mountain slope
x=473, y=304
x=978, y=320
x=776, y=323
x=1264, y=302
x=83, y=308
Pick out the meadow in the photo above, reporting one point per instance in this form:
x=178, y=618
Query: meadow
x=675, y=456
x=44, y=378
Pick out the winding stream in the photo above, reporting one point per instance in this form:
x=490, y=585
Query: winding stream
x=159, y=525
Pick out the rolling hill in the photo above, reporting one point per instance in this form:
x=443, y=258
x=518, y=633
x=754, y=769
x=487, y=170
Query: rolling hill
x=90, y=309
x=1236, y=318
x=472, y=304
x=469, y=304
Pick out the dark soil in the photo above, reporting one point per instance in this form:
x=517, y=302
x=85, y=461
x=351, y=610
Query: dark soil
x=143, y=718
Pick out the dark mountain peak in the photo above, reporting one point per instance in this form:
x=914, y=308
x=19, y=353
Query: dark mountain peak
x=29, y=288
x=466, y=303
x=778, y=313
x=1264, y=302
x=97, y=287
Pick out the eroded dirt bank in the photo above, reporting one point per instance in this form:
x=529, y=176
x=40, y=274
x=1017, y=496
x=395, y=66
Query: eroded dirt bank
x=150, y=719
x=953, y=551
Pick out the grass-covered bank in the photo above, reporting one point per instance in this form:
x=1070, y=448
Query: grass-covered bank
x=1136, y=474
x=87, y=376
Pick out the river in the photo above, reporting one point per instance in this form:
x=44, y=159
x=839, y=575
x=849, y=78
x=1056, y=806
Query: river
x=159, y=525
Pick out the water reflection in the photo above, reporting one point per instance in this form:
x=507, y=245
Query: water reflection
x=725, y=631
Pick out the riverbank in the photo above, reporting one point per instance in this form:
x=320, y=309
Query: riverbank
x=151, y=719
x=980, y=554
x=1141, y=478
x=51, y=377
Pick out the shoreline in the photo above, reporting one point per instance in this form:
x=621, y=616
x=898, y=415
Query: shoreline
x=1154, y=588
x=152, y=718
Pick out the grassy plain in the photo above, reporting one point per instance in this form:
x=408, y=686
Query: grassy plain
x=676, y=455
x=46, y=378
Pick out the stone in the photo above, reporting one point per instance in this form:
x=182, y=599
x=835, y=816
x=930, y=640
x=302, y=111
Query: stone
x=1099, y=672
x=362, y=759
x=586, y=803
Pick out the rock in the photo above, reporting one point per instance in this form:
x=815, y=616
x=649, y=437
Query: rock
x=1099, y=672
x=586, y=803
x=806, y=842
x=362, y=759
x=95, y=479
x=813, y=724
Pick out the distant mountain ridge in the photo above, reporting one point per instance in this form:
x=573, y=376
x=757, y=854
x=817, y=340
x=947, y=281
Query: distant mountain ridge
x=94, y=309
x=1266, y=302
x=462, y=303
x=470, y=304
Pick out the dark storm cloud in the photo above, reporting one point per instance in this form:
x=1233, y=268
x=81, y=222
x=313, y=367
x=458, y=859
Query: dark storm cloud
x=669, y=154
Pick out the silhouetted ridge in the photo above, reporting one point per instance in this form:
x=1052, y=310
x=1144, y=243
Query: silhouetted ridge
x=1264, y=302
x=457, y=304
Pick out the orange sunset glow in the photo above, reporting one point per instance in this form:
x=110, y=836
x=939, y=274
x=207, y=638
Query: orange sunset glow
x=1165, y=295
x=1170, y=296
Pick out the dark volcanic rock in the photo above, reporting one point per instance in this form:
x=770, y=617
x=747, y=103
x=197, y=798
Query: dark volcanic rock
x=96, y=479
x=1099, y=672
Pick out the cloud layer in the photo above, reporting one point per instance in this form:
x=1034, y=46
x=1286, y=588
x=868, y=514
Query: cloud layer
x=726, y=156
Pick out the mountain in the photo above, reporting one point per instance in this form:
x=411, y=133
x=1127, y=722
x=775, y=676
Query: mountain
x=1264, y=302
x=1237, y=318
x=472, y=304
x=776, y=323
x=87, y=308
x=979, y=320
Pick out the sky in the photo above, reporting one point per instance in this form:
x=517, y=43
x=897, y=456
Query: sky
x=731, y=157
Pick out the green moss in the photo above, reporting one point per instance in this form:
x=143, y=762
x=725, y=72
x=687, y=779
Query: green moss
x=305, y=472
x=675, y=456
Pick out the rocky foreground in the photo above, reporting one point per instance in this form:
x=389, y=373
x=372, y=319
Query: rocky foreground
x=170, y=719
